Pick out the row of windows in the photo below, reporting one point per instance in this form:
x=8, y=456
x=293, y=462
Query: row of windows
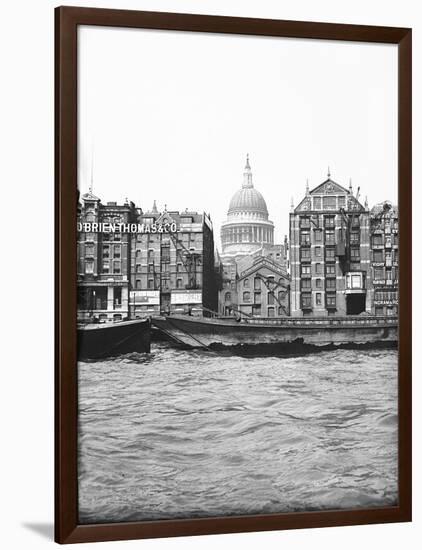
x=306, y=300
x=107, y=267
x=153, y=285
x=380, y=256
x=386, y=295
x=325, y=237
x=330, y=253
x=246, y=297
x=330, y=269
x=306, y=284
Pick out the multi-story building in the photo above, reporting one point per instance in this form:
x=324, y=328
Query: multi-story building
x=103, y=258
x=172, y=268
x=330, y=253
x=384, y=258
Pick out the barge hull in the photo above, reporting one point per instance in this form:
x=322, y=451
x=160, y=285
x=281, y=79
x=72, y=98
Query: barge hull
x=203, y=332
x=104, y=340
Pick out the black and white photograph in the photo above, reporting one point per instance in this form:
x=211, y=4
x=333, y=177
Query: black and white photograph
x=237, y=267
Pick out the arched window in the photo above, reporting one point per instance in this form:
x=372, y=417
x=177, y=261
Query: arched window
x=246, y=283
x=246, y=296
x=227, y=297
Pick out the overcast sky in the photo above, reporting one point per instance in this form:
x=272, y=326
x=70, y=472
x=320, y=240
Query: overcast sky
x=170, y=116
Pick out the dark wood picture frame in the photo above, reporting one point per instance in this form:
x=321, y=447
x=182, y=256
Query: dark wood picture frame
x=67, y=20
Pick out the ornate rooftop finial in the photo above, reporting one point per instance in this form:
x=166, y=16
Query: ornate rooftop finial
x=292, y=206
x=350, y=186
x=366, y=202
x=328, y=173
x=154, y=207
x=247, y=174
x=307, y=186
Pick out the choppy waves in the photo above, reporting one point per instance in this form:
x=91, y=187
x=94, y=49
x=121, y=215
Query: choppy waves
x=188, y=434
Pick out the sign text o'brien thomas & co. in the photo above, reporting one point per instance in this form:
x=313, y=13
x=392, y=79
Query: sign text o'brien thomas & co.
x=99, y=227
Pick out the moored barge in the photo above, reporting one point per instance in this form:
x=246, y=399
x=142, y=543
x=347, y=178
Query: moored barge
x=287, y=333
x=100, y=340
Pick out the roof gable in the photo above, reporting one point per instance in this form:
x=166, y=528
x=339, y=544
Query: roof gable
x=266, y=262
x=328, y=187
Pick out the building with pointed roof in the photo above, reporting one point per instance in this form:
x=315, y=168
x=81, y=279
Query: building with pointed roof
x=330, y=253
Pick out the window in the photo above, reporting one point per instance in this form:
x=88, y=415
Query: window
x=377, y=240
x=318, y=252
x=306, y=269
x=138, y=284
x=256, y=310
x=246, y=296
x=306, y=301
x=317, y=203
x=318, y=235
x=329, y=203
x=246, y=283
x=378, y=256
x=318, y=268
x=330, y=300
x=117, y=251
x=151, y=255
x=305, y=254
x=116, y=267
x=379, y=310
x=280, y=311
x=281, y=294
x=179, y=268
x=356, y=280
x=138, y=268
x=150, y=283
x=342, y=202
x=330, y=284
x=227, y=297
x=257, y=283
x=106, y=267
x=271, y=312
x=270, y=299
x=89, y=266
x=329, y=221
x=305, y=221
x=106, y=251
x=117, y=237
x=179, y=283
x=355, y=237
x=330, y=253
x=89, y=249
x=318, y=299
x=165, y=254
x=355, y=254
x=150, y=268
x=257, y=297
x=330, y=270
x=305, y=284
x=318, y=283
x=378, y=273
x=330, y=237
x=305, y=238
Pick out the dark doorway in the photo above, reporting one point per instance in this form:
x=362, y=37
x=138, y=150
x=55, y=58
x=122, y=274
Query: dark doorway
x=355, y=304
x=165, y=303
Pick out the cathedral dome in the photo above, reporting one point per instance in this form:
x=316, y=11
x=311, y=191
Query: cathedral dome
x=248, y=200
x=247, y=227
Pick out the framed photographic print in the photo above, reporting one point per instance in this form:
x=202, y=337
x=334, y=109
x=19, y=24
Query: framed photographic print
x=233, y=274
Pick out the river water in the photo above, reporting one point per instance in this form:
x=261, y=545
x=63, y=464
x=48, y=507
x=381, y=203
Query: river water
x=182, y=434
